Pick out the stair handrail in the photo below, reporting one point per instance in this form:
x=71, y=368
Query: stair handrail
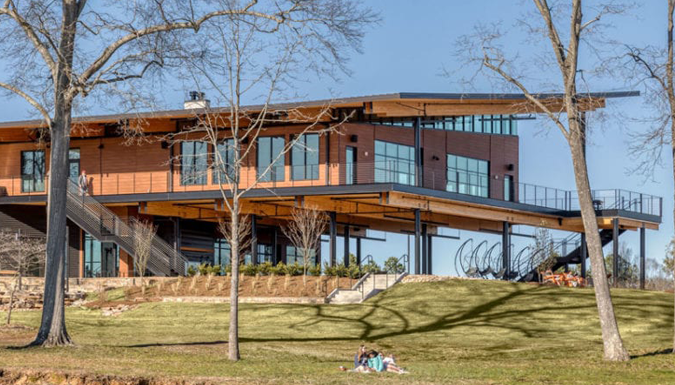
x=172, y=258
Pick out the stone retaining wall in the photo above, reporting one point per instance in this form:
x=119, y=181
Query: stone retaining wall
x=301, y=300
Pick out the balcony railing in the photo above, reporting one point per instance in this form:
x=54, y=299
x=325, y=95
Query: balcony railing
x=402, y=171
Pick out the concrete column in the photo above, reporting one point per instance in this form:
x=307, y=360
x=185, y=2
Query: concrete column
x=332, y=239
x=418, y=233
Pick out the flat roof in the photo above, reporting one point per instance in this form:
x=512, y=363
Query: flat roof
x=347, y=102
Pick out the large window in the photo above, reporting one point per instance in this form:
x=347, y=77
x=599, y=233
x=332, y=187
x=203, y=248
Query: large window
x=74, y=164
x=271, y=159
x=305, y=158
x=32, y=171
x=193, y=163
x=101, y=259
x=394, y=163
x=468, y=176
x=221, y=252
x=487, y=124
x=265, y=253
x=294, y=255
x=223, y=163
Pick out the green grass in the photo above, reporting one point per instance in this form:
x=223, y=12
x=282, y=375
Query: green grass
x=464, y=332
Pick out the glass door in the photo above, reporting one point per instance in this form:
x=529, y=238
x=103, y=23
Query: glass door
x=350, y=165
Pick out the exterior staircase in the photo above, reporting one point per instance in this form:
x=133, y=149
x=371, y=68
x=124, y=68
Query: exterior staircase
x=102, y=224
x=368, y=286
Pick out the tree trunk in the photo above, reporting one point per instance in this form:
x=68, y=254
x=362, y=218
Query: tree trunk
x=52, y=330
x=613, y=345
x=233, y=339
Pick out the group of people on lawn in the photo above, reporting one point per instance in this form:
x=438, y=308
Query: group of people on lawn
x=372, y=361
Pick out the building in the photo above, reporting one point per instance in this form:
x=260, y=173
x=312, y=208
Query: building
x=404, y=162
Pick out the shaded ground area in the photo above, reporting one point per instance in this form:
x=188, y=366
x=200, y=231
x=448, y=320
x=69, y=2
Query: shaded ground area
x=459, y=331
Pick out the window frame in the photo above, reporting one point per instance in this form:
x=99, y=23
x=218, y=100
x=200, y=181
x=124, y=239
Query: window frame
x=272, y=175
x=305, y=151
x=216, y=172
x=200, y=180
x=466, y=180
x=35, y=184
x=394, y=176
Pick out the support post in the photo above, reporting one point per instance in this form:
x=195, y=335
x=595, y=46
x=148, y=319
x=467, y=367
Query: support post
x=584, y=255
x=418, y=151
x=254, y=240
x=506, y=250
x=332, y=239
x=642, y=256
x=358, y=251
x=430, y=254
x=418, y=233
x=615, y=252
x=346, y=247
x=275, y=256
x=425, y=248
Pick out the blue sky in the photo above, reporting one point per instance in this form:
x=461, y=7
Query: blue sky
x=409, y=50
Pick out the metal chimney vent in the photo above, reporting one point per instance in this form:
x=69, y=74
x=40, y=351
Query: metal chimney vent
x=196, y=100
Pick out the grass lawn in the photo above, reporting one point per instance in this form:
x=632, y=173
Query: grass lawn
x=463, y=332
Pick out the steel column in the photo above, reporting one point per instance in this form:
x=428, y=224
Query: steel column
x=584, y=255
x=346, y=247
x=332, y=239
x=506, y=250
x=358, y=251
x=642, y=256
x=418, y=151
x=275, y=256
x=615, y=252
x=418, y=231
x=430, y=254
x=424, y=248
x=254, y=240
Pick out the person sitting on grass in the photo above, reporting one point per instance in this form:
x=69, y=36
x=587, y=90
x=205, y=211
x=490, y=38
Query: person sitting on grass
x=361, y=359
x=375, y=361
x=390, y=365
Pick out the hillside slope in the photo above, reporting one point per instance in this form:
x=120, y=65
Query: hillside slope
x=456, y=331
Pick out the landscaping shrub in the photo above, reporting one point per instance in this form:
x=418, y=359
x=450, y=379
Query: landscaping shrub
x=294, y=269
x=265, y=268
x=191, y=271
x=249, y=269
x=279, y=269
x=314, y=270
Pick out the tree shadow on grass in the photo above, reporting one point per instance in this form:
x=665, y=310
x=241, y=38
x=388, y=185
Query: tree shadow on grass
x=654, y=353
x=197, y=343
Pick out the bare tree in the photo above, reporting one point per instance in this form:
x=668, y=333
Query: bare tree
x=143, y=234
x=569, y=117
x=83, y=49
x=304, y=231
x=21, y=254
x=258, y=60
x=652, y=67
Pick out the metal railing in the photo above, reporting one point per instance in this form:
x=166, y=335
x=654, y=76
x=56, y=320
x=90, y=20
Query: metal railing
x=102, y=223
x=402, y=172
